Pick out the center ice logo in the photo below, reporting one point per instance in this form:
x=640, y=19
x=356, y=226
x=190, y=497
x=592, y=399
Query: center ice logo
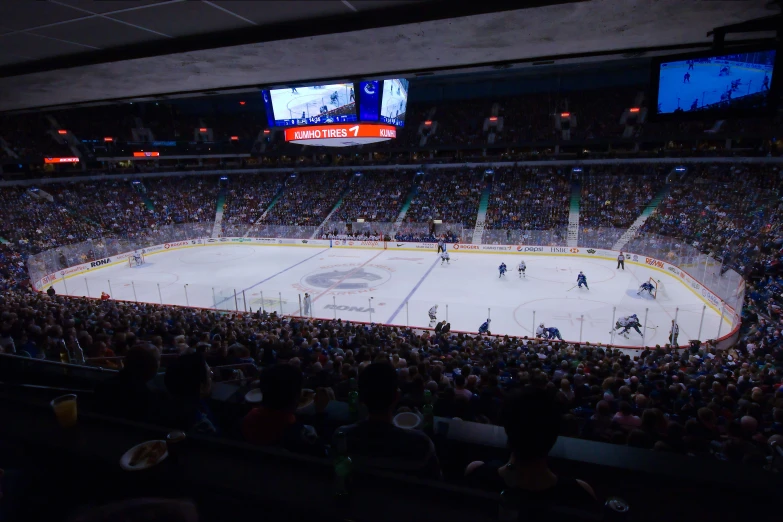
x=346, y=278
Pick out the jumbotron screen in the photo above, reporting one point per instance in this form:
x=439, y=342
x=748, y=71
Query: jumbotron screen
x=726, y=82
x=394, y=101
x=311, y=105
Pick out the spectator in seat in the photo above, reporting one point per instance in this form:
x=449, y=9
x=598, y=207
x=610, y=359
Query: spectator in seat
x=532, y=423
x=189, y=381
x=126, y=394
x=376, y=442
x=274, y=423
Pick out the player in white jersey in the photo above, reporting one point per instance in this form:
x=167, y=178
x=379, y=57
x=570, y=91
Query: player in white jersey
x=626, y=323
x=433, y=313
x=444, y=256
x=521, y=268
x=541, y=331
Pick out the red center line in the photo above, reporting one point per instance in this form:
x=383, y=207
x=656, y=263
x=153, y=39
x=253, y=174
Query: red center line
x=349, y=274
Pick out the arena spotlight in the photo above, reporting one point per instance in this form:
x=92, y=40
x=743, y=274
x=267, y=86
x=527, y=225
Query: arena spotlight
x=136, y=182
x=679, y=169
x=576, y=169
x=223, y=178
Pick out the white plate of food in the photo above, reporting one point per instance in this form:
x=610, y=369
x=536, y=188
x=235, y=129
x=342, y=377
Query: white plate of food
x=254, y=396
x=144, y=455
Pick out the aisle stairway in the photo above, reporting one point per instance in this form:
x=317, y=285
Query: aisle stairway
x=481, y=217
x=573, y=214
x=221, y=201
x=408, y=201
x=268, y=208
x=337, y=205
x=643, y=217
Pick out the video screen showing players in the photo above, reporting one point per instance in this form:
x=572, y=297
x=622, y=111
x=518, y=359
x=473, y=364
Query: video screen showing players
x=316, y=104
x=732, y=81
x=394, y=101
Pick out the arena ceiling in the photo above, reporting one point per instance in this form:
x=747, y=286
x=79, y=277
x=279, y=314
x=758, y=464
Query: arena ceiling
x=62, y=52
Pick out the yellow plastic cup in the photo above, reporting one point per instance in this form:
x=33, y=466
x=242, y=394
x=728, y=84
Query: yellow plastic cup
x=65, y=410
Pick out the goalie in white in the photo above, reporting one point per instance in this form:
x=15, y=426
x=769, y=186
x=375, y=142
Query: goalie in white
x=138, y=259
x=521, y=268
x=646, y=287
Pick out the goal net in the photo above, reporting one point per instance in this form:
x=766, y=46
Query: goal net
x=658, y=289
x=136, y=259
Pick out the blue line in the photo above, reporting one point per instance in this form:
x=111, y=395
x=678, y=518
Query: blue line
x=275, y=275
x=412, y=291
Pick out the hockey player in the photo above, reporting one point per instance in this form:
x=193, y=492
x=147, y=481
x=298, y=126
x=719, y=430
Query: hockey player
x=686, y=78
x=502, y=269
x=441, y=246
x=541, y=331
x=433, y=313
x=484, y=328
x=444, y=256
x=626, y=323
x=646, y=287
x=553, y=333
x=621, y=261
x=308, y=303
x=521, y=268
x=581, y=280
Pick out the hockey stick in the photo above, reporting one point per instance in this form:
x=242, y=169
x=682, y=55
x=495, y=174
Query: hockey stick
x=571, y=288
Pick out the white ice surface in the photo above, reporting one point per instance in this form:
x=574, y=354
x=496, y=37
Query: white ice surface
x=401, y=286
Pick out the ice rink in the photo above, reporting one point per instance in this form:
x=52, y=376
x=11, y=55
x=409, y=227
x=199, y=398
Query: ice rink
x=394, y=100
x=705, y=85
x=399, y=287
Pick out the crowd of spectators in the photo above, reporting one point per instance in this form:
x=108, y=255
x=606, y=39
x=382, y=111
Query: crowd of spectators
x=529, y=198
x=729, y=210
x=377, y=196
x=308, y=199
x=701, y=402
x=449, y=195
x=32, y=223
x=247, y=198
x=115, y=206
x=187, y=199
x=615, y=195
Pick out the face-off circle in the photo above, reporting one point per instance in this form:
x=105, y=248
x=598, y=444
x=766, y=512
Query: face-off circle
x=345, y=279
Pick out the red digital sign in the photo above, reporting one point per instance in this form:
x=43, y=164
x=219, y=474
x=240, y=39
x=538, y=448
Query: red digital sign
x=565, y=114
x=108, y=139
x=62, y=131
x=61, y=160
x=146, y=154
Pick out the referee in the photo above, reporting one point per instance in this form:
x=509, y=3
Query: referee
x=441, y=246
x=621, y=261
x=674, y=333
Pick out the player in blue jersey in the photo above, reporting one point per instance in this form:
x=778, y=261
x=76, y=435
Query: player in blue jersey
x=484, y=328
x=502, y=269
x=646, y=287
x=581, y=280
x=553, y=333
